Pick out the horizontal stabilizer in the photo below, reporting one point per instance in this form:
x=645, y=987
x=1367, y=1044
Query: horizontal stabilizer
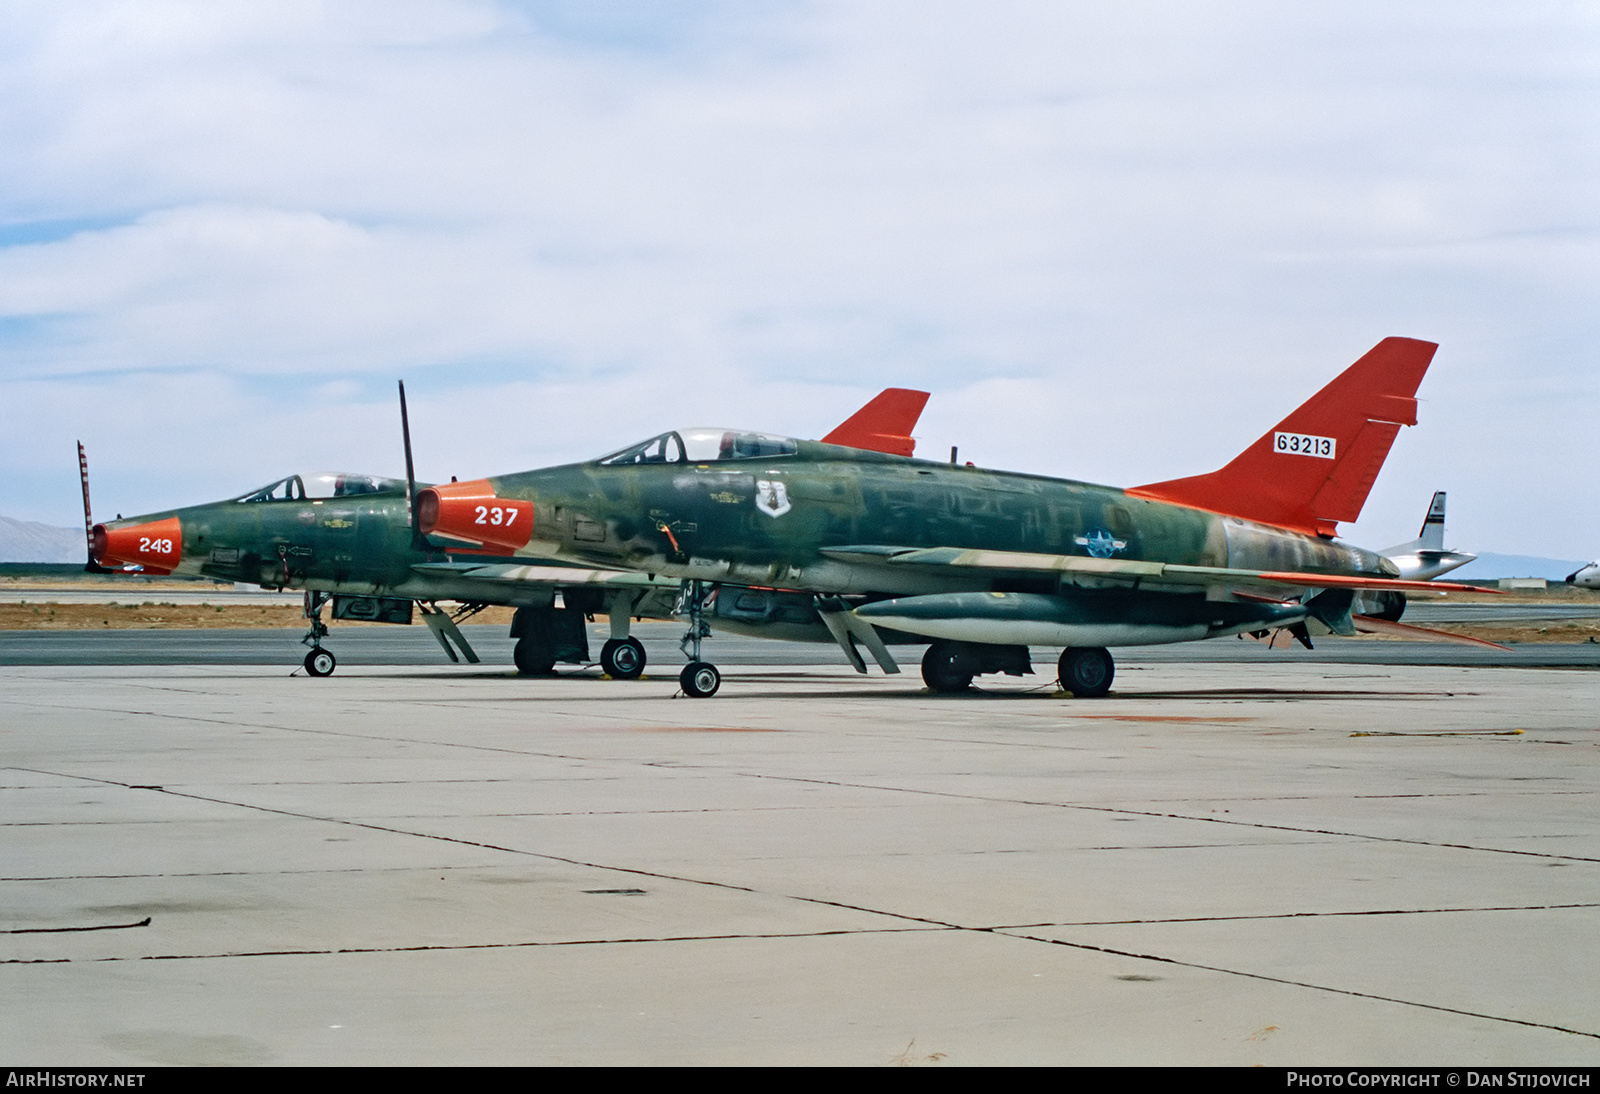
x=1317, y=466
x=884, y=424
x=1373, y=625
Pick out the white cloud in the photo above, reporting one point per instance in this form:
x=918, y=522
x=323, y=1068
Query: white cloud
x=1117, y=242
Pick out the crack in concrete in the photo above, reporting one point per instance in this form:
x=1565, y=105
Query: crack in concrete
x=925, y=923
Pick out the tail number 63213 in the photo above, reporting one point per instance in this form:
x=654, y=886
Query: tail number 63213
x=1302, y=444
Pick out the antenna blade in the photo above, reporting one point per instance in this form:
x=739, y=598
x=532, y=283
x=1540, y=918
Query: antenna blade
x=411, y=475
x=88, y=521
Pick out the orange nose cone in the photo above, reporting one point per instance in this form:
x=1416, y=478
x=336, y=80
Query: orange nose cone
x=156, y=546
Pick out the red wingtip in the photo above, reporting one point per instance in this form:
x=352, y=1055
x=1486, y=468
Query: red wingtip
x=884, y=424
x=1316, y=467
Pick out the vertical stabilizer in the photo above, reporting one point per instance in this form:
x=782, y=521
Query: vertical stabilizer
x=1317, y=466
x=884, y=424
x=1431, y=538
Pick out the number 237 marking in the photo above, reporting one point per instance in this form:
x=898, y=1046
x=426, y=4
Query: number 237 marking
x=495, y=515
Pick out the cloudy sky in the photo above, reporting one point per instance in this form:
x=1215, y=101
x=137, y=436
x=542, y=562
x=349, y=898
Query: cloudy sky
x=1116, y=241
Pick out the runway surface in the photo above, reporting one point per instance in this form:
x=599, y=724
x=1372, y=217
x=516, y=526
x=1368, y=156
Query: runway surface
x=1421, y=612
x=1277, y=862
x=138, y=594
x=394, y=645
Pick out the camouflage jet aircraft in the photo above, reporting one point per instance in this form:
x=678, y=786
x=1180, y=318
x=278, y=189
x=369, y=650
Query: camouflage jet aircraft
x=349, y=539
x=816, y=540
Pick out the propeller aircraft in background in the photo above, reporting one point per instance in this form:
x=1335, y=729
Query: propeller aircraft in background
x=1420, y=559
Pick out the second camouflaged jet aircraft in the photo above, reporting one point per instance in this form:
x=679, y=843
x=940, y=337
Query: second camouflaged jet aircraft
x=872, y=548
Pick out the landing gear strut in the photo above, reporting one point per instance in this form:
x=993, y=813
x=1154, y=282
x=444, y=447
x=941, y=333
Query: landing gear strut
x=1086, y=672
x=699, y=679
x=622, y=658
x=319, y=662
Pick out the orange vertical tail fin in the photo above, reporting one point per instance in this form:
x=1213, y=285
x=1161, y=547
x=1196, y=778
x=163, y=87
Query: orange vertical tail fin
x=884, y=424
x=1316, y=467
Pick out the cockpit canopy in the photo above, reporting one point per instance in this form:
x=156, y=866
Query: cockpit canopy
x=702, y=446
x=308, y=487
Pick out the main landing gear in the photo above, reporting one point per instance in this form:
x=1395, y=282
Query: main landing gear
x=699, y=679
x=622, y=658
x=1087, y=672
x=533, y=658
x=948, y=667
x=319, y=662
x=547, y=637
x=945, y=668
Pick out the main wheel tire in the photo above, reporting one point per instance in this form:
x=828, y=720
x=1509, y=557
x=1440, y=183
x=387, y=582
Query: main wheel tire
x=700, y=680
x=1087, y=673
x=321, y=662
x=532, y=658
x=944, y=669
x=623, y=658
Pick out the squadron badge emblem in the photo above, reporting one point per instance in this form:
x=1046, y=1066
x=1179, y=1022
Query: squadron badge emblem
x=772, y=497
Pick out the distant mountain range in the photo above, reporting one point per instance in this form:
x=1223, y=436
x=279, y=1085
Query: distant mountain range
x=26, y=541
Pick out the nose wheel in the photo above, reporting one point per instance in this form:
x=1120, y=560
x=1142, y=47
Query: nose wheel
x=700, y=680
x=320, y=662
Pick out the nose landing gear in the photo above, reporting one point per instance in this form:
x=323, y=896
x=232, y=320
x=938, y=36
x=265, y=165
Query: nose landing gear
x=699, y=679
x=319, y=662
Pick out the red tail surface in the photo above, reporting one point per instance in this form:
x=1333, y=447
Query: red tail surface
x=1316, y=467
x=884, y=424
